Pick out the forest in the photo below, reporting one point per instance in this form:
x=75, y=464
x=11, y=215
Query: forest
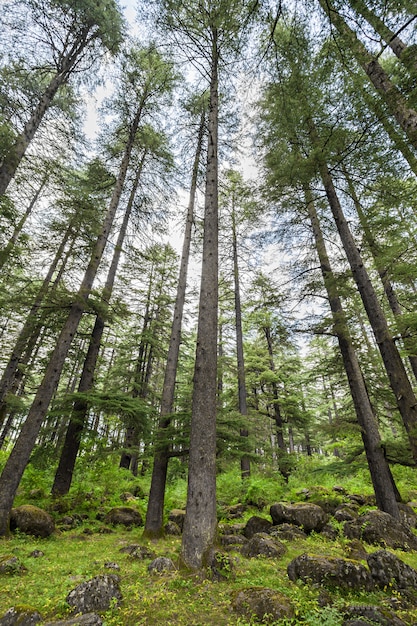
x=208, y=263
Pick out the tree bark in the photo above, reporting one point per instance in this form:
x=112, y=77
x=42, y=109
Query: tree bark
x=378, y=466
x=64, y=472
x=30, y=328
x=19, y=456
x=392, y=39
x=155, y=510
x=397, y=375
x=241, y=382
x=200, y=520
x=395, y=101
x=383, y=274
x=6, y=251
x=11, y=161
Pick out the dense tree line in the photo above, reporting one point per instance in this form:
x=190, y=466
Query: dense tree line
x=301, y=336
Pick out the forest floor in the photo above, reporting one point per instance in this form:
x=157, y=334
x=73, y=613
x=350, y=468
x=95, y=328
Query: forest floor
x=74, y=556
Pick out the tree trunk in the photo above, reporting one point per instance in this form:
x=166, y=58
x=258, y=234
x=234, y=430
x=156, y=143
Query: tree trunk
x=395, y=101
x=397, y=375
x=19, y=456
x=11, y=161
x=392, y=39
x=378, y=466
x=30, y=328
x=241, y=382
x=383, y=274
x=5, y=253
x=200, y=520
x=64, y=472
x=277, y=410
x=155, y=510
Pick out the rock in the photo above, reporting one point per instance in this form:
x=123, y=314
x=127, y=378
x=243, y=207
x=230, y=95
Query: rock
x=232, y=541
x=88, y=619
x=371, y=614
x=142, y=552
x=388, y=570
x=329, y=532
x=96, y=594
x=129, y=549
x=124, y=515
x=220, y=565
x=112, y=565
x=161, y=564
x=262, y=544
x=235, y=511
x=408, y=515
x=171, y=528
x=231, y=529
x=355, y=550
x=31, y=520
x=304, y=514
x=177, y=516
x=256, y=525
x=290, y=532
x=127, y=497
x=20, y=616
x=377, y=527
x=266, y=605
x=345, y=514
x=36, y=554
x=10, y=564
x=330, y=572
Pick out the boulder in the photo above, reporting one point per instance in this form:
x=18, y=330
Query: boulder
x=388, y=570
x=380, y=528
x=304, y=514
x=96, y=594
x=235, y=511
x=31, y=520
x=177, y=516
x=330, y=572
x=171, y=528
x=371, y=615
x=233, y=541
x=142, y=552
x=20, y=616
x=161, y=564
x=125, y=516
x=256, y=525
x=266, y=605
x=408, y=514
x=219, y=566
x=290, y=532
x=262, y=544
x=10, y=564
x=88, y=619
x=345, y=514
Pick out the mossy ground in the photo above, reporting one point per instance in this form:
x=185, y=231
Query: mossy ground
x=177, y=598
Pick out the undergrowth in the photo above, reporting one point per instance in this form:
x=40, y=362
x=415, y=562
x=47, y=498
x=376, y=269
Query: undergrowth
x=79, y=554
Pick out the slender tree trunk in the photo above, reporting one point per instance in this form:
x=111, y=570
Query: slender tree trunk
x=200, y=520
x=155, y=510
x=392, y=39
x=6, y=251
x=64, y=472
x=378, y=466
x=11, y=161
x=19, y=457
x=30, y=328
x=397, y=375
x=277, y=410
x=383, y=274
x=395, y=101
x=241, y=382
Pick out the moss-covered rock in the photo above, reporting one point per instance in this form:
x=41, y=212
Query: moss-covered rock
x=330, y=572
x=266, y=605
x=32, y=520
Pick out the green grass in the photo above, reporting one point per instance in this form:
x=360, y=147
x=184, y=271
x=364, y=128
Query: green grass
x=177, y=598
